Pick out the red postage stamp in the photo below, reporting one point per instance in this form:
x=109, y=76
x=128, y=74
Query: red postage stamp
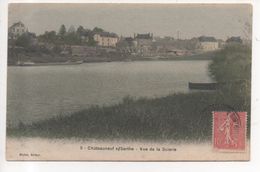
x=229, y=131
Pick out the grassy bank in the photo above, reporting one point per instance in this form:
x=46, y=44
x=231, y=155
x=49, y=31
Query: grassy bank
x=179, y=116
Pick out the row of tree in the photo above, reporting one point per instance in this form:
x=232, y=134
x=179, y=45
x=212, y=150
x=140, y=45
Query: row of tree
x=72, y=36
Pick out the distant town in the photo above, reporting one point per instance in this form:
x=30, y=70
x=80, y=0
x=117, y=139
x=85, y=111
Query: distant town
x=97, y=45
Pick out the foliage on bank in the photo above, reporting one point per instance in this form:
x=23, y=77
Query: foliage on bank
x=231, y=67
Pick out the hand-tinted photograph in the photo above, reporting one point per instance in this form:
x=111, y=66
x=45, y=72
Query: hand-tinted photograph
x=128, y=82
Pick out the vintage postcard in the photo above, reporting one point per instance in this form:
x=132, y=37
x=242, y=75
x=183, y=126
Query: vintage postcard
x=128, y=82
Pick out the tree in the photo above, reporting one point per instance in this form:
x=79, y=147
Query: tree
x=62, y=32
x=50, y=37
x=80, y=31
x=91, y=41
x=25, y=40
x=72, y=38
x=71, y=29
x=231, y=67
x=98, y=30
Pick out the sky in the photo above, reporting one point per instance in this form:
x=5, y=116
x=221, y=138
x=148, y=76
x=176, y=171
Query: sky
x=220, y=21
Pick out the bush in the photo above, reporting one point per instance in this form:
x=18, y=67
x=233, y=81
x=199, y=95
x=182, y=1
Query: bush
x=231, y=67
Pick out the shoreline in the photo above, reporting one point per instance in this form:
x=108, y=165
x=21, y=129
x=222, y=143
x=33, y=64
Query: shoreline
x=201, y=56
x=108, y=61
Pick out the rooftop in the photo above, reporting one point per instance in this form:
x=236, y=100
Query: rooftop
x=18, y=24
x=207, y=39
x=129, y=39
x=235, y=39
x=107, y=34
x=144, y=36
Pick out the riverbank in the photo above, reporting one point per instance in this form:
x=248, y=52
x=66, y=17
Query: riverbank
x=49, y=59
x=198, y=56
x=178, y=117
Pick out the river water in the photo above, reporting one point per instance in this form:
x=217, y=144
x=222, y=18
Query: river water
x=36, y=93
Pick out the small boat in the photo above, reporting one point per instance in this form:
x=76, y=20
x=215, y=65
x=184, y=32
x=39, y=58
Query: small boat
x=203, y=86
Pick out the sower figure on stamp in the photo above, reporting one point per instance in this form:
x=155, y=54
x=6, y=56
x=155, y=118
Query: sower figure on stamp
x=226, y=126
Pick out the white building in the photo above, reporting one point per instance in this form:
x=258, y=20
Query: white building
x=106, y=39
x=16, y=30
x=144, y=39
x=144, y=43
x=208, y=43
